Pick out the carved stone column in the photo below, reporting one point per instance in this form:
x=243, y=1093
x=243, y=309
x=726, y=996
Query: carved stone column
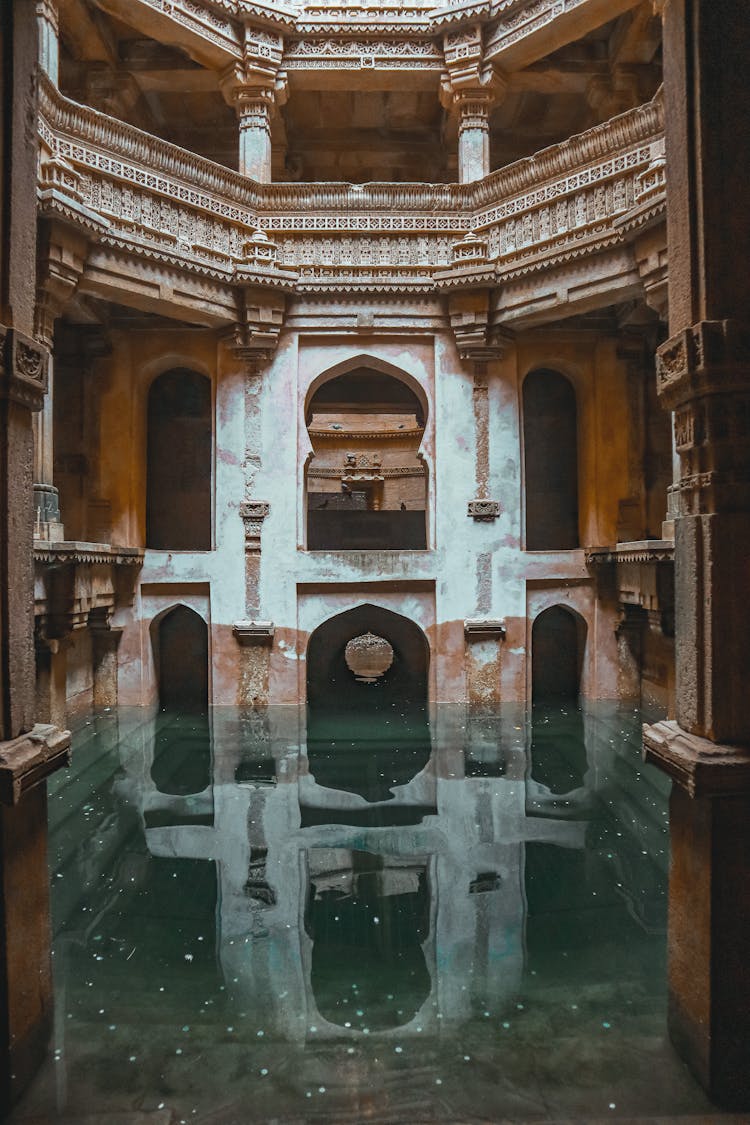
x=255, y=88
x=470, y=89
x=28, y=753
x=473, y=134
x=49, y=42
x=703, y=375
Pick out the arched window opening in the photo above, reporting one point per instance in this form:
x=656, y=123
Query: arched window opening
x=558, y=642
x=550, y=435
x=366, y=485
x=180, y=641
x=178, y=478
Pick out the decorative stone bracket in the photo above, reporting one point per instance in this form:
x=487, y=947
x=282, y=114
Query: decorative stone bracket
x=30, y=759
x=484, y=510
x=23, y=368
x=254, y=512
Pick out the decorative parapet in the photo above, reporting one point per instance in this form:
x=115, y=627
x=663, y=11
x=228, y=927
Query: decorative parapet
x=29, y=760
x=72, y=553
x=484, y=628
x=250, y=633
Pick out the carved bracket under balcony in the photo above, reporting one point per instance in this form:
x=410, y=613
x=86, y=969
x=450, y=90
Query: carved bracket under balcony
x=701, y=767
x=29, y=760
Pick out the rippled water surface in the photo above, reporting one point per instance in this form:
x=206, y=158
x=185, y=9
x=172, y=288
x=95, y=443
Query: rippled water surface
x=412, y=918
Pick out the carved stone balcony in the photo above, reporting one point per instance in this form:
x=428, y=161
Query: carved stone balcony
x=158, y=204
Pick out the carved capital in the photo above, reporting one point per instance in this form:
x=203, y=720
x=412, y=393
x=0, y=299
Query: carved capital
x=701, y=767
x=253, y=513
x=24, y=365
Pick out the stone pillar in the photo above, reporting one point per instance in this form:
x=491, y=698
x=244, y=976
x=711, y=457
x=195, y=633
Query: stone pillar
x=28, y=753
x=473, y=134
x=254, y=113
x=703, y=375
x=47, y=523
x=105, y=641
x=49, y=42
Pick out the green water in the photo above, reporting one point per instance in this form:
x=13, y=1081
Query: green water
x=443, y=918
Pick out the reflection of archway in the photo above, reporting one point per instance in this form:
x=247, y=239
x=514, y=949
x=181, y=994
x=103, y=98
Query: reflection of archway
x=180, y=643
x=551, y=462
x=331, y=682
x=366, y=483
x=368, y=916
x=558, y=642
x=178, y=477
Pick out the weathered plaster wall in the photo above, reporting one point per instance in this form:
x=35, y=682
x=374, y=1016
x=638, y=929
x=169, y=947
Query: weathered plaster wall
x=471, y=449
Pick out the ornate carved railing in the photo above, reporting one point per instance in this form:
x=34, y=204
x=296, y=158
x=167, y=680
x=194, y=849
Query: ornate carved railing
x=158, y=201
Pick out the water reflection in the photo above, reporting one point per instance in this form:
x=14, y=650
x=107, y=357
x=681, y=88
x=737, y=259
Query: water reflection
x=286, y=887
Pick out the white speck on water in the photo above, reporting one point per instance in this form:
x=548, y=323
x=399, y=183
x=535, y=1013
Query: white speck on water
x=178, y=1051
x=261, y=1033
x=321, y=1089
x=188, y=957
x=350, y=1050
x=398, y=1050
x=264, y=1070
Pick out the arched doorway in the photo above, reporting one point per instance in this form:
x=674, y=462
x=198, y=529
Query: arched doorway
x=367, y=685
x=180, y=643
x=558, y=641
x=366, y=485
x=550, y=434
x=178, y=472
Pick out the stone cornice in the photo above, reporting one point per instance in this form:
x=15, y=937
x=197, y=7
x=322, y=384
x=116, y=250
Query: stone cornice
x=645, y=551
x=73, y=553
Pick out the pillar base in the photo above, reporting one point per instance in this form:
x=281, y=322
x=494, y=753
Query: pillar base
x=709, y=908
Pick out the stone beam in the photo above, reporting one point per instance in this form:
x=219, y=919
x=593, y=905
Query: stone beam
x=207, y=37
x=532, y=30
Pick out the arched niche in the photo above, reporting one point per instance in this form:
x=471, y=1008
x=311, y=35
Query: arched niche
x=558, y=643
x=179, y=462
x=550, y=436
x=332, y=684
x=367, y=735
x=366, y=481
x=180, y=643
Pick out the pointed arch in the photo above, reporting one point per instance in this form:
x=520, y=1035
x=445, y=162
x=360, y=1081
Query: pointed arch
x=330, y=681
x=558, y=644
x=179, y=638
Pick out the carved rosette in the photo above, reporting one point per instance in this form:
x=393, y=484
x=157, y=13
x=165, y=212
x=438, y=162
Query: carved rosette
x=23, y=368
x=484, y=510
x=253, y=513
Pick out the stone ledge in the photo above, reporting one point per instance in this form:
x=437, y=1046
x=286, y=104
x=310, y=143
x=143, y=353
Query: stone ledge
x=483, y=628
x=640, y=551
x=254, y=632
x=701, y=767
x=28, y=760
x=69, y=551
